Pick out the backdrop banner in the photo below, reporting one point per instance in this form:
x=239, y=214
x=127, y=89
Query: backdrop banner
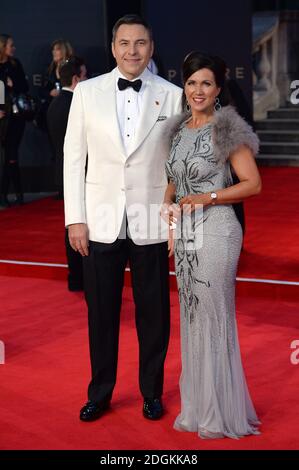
x=220, y=27
x=34, y=25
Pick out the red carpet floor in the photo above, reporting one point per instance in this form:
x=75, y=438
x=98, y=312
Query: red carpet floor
x=271, y=249
x=44, y=329
x=43, y=382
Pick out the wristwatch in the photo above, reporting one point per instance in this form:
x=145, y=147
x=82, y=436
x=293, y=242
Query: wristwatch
x=213, y=197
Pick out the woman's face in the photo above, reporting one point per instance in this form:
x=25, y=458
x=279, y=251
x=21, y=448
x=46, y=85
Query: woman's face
x=57, y=53
x=201, y=91
x=10, y=48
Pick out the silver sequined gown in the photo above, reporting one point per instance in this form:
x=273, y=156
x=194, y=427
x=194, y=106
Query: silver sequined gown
x=215, y=401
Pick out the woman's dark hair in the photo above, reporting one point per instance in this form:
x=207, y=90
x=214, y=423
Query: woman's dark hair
x=3, y=43
x=131, y=19
x=195, y=61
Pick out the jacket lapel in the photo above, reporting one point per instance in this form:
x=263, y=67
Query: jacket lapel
x=108, y=105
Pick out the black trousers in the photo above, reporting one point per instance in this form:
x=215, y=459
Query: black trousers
x=75, y=265
x=12, y=141
x=103, y=279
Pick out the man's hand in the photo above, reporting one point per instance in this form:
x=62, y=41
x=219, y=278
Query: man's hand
x=54, y=93
x=2, y=114
x=78, y=237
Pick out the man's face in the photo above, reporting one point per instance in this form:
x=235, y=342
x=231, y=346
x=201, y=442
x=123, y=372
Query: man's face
x=132, y=49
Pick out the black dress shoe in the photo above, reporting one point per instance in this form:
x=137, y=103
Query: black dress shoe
x=152, y=408
x=92, y=410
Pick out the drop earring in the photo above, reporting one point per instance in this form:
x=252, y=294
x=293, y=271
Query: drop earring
x=217, y=105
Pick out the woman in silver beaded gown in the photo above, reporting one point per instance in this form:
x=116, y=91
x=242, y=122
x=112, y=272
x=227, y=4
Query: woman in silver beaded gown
x=215, y=401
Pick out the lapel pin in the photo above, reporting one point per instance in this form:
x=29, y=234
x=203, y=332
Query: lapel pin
x=157, y=103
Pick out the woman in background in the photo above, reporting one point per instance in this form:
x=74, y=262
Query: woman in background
x=13, y=77
x=61, y=52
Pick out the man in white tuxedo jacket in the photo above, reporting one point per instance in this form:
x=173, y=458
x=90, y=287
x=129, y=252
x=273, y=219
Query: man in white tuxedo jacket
x=112, y=213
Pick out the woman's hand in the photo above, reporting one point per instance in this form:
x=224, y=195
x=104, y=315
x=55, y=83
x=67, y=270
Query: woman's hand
x=2, y=114
x=54, y=92
x=170, y=243
x=188, y=203
x=9, y=82
x=170, y=212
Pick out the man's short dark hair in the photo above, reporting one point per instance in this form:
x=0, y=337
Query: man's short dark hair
x=70, y=68
x=131, y=19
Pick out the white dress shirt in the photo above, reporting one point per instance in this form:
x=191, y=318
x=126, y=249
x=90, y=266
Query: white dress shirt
x=67, y=88
x=129, y=107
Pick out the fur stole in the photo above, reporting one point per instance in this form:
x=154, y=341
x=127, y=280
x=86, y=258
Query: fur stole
x=229, y=131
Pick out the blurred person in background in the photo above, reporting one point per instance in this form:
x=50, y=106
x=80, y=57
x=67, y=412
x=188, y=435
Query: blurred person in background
x=12, y=122
x=61, y=52
x=71, y=73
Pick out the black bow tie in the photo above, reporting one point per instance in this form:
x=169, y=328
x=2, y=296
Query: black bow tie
x=123, y=84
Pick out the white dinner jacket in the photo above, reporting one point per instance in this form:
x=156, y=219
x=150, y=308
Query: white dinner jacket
x=114, y=181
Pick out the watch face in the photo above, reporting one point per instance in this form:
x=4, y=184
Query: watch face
x=213, y=195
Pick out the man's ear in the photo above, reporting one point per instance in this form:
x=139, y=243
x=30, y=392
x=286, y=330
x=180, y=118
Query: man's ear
x=113, y=49
x=152, y=49
x=75, y=80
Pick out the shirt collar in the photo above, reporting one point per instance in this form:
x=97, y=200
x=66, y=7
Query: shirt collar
x=66, y=88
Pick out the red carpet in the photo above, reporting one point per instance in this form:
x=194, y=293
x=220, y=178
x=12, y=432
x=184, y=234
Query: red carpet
x=44, y=328
x=43, y=382
x=34, y=232
x=272, y=228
